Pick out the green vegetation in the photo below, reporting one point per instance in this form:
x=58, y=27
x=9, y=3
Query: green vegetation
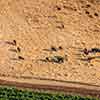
x=16, y=94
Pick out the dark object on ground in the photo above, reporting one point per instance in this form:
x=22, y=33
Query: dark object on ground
x=14, y=41
x=53, y=48
x=87, y=12
x=18, y=49
x=96, y=14
x=58, y=8
x=47, y=58
x=44, y=60
x=88, y=5
x=57, y=59
x=20, y=57
x=90, y=16
x=15, y=50
x=89, y=58
x=11, y=42
x=53, y=59
x=86, y=51
x=60, y=48
x=94, y=50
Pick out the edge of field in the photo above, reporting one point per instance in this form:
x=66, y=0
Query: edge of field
x=47, y=85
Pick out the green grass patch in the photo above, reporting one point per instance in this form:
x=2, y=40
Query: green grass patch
x=7, y=93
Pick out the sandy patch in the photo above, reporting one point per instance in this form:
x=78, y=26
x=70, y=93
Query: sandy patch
x=37, y=25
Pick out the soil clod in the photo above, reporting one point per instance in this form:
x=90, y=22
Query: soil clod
x=20, y=58
x=18, y=49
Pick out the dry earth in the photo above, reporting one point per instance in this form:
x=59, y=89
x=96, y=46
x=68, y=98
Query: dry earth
x=40, y=24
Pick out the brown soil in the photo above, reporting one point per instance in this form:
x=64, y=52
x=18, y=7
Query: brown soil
x=38, y=25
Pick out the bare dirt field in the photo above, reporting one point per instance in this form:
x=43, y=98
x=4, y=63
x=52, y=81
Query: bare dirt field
x=28, y=30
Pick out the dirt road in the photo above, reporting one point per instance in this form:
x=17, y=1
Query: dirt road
x=67, y=88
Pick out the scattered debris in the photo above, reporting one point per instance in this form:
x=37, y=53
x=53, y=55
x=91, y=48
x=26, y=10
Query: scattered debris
x=58, y=8
x=88, y=59
x=51, y=49
x=15, y=50
x=54, y=59
x=18, y=49
x=60, y=48
x=88, y=5
x=54, y=48
x=95, y=50
x=14, y=41
x=90, y=16
x=57, y=59
x=86, y=51
x=11, y=42
x=92, y=50
x=47, y=58
x=87, y=12
x=96, y=14
x=20, y=57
